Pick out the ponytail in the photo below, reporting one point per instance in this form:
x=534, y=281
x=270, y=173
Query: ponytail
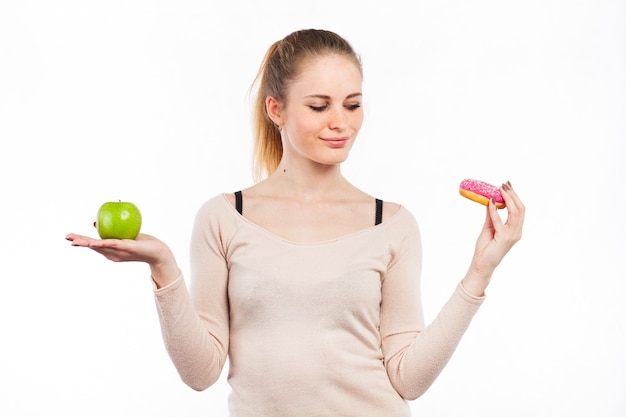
x=268, y=146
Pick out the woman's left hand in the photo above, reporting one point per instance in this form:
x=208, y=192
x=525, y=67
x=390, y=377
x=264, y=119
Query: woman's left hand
x=495, y=240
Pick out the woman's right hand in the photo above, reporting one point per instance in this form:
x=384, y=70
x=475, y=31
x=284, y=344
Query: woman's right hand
x=144, y=248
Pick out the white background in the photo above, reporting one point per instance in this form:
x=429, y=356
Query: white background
x=147, y=101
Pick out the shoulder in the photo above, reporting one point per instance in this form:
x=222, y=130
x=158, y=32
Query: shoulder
x=218, y=202
x=398, y=216
x=399, y=223
x=230, y=198
x=216, y=221
x=216, y=208
x=402, y=234
x=390, y=209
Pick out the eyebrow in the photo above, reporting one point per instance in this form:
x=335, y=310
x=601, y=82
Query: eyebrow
x=325, y=97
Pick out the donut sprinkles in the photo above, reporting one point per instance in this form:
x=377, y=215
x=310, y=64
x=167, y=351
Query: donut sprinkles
x=481, y=192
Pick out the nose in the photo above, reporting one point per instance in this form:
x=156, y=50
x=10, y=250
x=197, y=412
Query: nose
x=337, y=118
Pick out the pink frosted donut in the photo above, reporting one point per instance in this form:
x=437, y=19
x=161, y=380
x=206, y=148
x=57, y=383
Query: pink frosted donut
x=481, y=192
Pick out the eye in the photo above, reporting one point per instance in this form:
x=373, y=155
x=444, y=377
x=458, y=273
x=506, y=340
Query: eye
x=353, y=107
x=318, y=108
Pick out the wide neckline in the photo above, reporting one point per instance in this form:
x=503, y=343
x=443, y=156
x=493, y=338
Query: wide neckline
x=275, y=236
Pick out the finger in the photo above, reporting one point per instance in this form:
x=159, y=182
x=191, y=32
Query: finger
x=514, y=205
x=494, y=216
x=488, y=222
x=78, y=240
x=513, y=197
x=512, y=230
x=86, y=241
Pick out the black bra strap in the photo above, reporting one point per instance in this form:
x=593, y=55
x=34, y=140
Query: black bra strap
x=379, y=207
x=379, y=211
x=239, y=202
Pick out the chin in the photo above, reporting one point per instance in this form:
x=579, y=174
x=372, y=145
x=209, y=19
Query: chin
x=333, y=161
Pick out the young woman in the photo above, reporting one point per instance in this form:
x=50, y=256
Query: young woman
x=309, y=285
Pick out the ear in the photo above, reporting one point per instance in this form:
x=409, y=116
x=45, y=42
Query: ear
x=274, y=110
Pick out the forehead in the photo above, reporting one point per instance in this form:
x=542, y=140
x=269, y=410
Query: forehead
x=327, y=73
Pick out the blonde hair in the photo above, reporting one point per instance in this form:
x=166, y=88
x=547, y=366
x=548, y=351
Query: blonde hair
x=280, y=66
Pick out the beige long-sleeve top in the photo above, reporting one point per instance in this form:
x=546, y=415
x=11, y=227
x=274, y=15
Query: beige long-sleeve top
x=331, y=328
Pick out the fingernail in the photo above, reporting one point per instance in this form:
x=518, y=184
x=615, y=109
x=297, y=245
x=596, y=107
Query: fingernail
x=509, y=184
x=493, y=200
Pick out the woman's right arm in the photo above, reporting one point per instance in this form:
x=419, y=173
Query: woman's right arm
x=194, y=324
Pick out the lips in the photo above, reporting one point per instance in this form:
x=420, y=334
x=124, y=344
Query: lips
x=336, y=142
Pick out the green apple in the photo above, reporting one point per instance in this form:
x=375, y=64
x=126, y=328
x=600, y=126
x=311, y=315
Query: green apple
x=118, y=220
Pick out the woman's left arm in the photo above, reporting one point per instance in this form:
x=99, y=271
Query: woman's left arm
x=495, y=240
x=415, y=354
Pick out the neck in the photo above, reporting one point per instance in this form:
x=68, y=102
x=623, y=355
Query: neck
x=310, y=182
